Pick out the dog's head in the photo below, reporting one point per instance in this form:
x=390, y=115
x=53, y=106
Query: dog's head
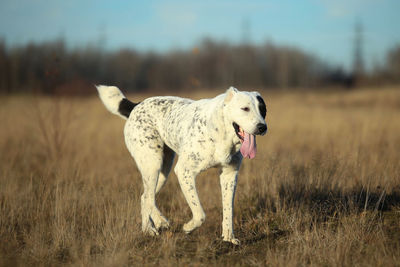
x=246, y=111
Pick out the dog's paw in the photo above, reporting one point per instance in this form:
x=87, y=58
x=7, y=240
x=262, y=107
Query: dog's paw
x=151, y=231
x=190, y=226
x=161, y=223
x=234, y=241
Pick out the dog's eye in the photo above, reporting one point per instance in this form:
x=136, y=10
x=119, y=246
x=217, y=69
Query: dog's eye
x=246, y=109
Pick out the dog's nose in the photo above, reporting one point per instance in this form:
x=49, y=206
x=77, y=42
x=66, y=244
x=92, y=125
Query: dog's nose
x=262, y=128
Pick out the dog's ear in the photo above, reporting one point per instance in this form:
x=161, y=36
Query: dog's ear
x=230, y=93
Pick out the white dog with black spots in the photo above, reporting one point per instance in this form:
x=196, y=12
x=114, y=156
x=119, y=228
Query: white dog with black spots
x=216, y=132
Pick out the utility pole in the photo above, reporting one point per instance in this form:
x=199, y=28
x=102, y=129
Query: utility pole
x=246, y=32
x=358, y=60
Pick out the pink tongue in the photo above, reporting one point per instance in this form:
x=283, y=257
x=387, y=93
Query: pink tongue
x=249, y=147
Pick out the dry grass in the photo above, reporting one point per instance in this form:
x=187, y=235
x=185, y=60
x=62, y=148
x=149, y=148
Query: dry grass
x=324, y=188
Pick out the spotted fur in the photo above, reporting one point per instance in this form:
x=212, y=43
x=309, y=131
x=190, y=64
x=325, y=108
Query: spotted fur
x=200, y=132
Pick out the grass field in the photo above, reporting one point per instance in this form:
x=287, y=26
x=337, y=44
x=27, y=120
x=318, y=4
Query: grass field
x=323, y=190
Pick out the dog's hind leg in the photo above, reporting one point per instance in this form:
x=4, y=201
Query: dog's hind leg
x=149, y=166
x=146, y=148
x=152, y=219
x=168, y=160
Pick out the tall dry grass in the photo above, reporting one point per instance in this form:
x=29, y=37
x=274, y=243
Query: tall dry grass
x=324, y=188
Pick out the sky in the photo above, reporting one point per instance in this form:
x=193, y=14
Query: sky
x=322, y=27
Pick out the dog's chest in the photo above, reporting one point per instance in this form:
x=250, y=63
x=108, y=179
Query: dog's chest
x=214, y=150
x=225, y=151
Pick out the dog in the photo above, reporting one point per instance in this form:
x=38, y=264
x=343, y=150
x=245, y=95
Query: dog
x=216, y=132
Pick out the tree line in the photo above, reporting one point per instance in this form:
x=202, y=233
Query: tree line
x=51, y=68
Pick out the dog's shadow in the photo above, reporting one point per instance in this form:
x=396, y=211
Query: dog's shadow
x=324, y=202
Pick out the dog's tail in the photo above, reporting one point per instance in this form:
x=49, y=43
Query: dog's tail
x=115, y=101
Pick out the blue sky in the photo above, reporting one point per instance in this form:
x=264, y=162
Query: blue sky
x=323, y=27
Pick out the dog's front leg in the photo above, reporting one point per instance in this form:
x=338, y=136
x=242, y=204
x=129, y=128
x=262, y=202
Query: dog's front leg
x=187, y=181
x=228, y=181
